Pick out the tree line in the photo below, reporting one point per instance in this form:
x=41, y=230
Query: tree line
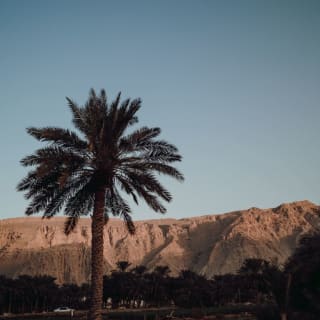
x=291, y=291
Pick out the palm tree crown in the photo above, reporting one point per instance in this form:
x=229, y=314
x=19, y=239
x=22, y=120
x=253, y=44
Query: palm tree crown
x=82, y=174
x=70, y=169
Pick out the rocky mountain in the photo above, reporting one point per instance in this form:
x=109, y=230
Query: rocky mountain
x=209, y=245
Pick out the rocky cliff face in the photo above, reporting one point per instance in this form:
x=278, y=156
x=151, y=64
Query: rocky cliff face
x=213, y=244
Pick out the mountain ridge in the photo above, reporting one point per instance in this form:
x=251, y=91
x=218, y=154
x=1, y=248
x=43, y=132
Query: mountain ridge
x=208, y=244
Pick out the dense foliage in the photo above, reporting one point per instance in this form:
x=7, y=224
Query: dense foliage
x=37, y=294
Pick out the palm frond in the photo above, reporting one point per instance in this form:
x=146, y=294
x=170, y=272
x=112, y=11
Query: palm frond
x=165, y=169
x=81, y=203
x=27, y=181
x=160, y=146
x=150, y=183
x=125, y=185
x=104, y=100
x=70, y=224
x=113, y=112
x=64, y=194
x=135, y=140
x=149, y=198
x=119, y=207
x=92, y=94
x=78, y=116
x=134, y=107
x=52, y=154
x=125, y=117
x=58, y=136
x=45, y=184
x=40, y=200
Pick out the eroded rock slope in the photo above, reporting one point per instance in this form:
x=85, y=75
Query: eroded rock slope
x=213, y=244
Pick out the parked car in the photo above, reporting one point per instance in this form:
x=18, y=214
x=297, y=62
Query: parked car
x=63, y=309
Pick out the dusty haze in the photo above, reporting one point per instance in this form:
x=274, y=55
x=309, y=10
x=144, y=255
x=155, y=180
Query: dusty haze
x=209, y=245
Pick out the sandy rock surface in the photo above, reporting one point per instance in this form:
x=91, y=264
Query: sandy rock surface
x=209, y=245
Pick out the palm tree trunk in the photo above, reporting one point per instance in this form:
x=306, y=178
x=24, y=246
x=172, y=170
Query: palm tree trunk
x=97, y=226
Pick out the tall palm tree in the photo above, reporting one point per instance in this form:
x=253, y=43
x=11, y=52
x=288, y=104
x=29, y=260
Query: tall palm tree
x=85, y=173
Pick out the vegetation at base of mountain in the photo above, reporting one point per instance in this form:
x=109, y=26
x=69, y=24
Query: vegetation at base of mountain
x=38, y=294
x=268, y=291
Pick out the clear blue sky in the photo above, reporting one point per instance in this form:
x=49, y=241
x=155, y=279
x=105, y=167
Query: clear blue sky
x=234, y=84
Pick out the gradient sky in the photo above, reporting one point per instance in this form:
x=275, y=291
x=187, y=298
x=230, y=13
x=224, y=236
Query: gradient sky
x=234, y=84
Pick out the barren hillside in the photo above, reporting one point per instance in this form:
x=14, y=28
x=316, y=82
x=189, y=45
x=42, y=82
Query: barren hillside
x=213, y=244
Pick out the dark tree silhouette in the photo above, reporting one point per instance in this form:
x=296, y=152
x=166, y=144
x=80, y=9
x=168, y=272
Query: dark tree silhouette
x=123, y=265
x=268, y=279
x=304, y=269
x=140, y=284
x=162, y=271
x=252, y=272
x=254, y=266
x=158, y=283
x=84, y=174
x=192, y=290
x=27, y=294
x=139, y=270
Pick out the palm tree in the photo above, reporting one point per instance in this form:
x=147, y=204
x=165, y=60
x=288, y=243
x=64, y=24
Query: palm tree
x=83, y=174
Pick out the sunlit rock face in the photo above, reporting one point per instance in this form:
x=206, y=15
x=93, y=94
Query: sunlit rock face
x=209, y=245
